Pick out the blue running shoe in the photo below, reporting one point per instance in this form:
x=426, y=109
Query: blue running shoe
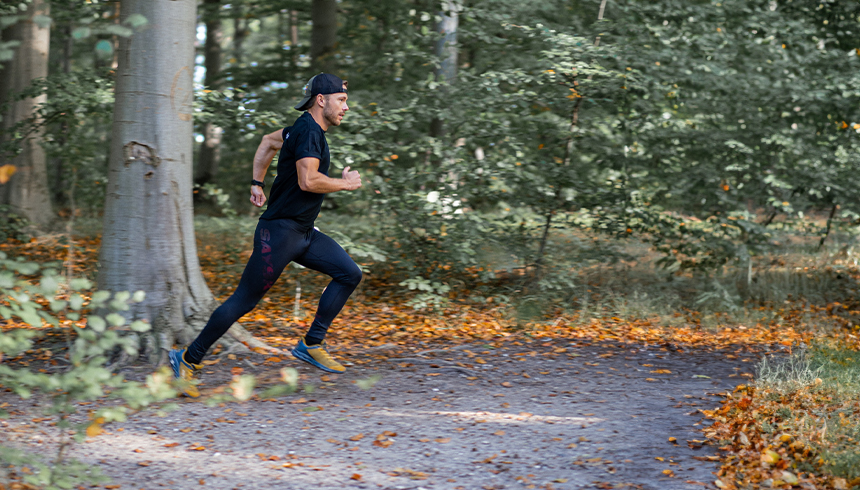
x=184, y=371
x=317, y=356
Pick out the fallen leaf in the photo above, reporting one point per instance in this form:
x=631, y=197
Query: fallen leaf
x=506, y=384
x=273, y=359
x=6, y=173
x=357, y=437
x=171, y=444
x=499, y=433
x=442, y=440
x=94, y=429
x=384, y=443
x=300, y=400
x=355, y=476
x=769, y=456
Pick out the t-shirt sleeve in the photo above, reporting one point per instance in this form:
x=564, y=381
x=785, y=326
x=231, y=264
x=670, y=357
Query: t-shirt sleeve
x=309, y=144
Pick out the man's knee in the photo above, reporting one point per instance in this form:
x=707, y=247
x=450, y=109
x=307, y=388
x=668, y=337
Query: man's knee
x=353, y=276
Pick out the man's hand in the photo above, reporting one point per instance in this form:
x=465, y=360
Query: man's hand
x=258, y=198
x=351, y=179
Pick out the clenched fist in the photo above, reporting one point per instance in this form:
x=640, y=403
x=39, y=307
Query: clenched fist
x=351, y=179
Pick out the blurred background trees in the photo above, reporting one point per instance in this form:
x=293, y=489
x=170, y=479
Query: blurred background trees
x=486, y=128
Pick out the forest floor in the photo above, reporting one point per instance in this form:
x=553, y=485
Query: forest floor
x=629, y=389
x=549, y=413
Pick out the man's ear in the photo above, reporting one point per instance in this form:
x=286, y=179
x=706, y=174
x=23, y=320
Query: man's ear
x=321, y=100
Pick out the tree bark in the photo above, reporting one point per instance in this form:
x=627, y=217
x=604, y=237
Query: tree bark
x=446, y=46
x=446, y=51
x=240, y=31
x=324, y=35
x=27, y=191
x=210, y=150
x=148, y=240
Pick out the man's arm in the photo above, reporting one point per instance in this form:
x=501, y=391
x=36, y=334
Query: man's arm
x=267, y=150
x=312, y=180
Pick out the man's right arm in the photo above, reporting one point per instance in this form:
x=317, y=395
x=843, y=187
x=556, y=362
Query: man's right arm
x=266, y=151
x=312, y=180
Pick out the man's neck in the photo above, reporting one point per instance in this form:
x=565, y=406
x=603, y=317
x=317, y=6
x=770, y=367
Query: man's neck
x=317, y=114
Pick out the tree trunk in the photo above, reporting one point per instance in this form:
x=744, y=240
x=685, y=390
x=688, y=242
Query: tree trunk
x=446, y=51
x=58, y=170
x=324, y=35
x=210, y=150
x=148, y=240
x=294, y=36
x=27, y=191
x=446, y=46
x=240, y=31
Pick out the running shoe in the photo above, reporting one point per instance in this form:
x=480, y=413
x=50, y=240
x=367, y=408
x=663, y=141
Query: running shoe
x=317, y=356
x=184, y=371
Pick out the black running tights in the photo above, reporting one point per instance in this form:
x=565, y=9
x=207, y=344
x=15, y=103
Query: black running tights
x=276, y=244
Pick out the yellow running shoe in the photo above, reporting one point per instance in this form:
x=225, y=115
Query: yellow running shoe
x=184, y=371
x=317, y=356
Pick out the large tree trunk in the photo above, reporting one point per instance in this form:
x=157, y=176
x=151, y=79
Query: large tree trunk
x=148, y=241
x=210, y=150
x=27, y=192
x=324, y=35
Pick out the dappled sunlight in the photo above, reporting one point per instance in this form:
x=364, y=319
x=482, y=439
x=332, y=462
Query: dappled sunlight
x=497, y=417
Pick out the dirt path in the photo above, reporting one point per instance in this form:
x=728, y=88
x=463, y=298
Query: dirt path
x=528, y=416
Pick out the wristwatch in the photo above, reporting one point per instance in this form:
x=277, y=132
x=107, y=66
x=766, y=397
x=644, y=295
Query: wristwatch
x=257, y=182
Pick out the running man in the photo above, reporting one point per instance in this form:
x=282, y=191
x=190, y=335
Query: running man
x=286, y=233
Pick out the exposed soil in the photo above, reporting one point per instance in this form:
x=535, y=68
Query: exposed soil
x=528, y=416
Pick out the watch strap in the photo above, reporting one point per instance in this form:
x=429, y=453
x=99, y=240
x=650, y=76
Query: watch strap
x=257, y=182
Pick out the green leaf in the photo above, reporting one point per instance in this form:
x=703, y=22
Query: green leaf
x=57, y=305
x=140, y=326
x=136, y=21
x=115, y=319
x=81, y=33
x=139, y=296
x=96, y=323
x=80, y=283
x=43, y=21
x=98, y=298
x=104, y=49
x=119, y=31
x=49, y=285
x=76, y=301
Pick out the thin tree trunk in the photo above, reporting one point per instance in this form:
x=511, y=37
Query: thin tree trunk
x=294, y=35
x=240, y=31
x=210, y=150
x=148, y=240
x=27, y=191
x=829, y=222
x=58, y=184
x=324, y=35
x=568, y=151
x=446, y=51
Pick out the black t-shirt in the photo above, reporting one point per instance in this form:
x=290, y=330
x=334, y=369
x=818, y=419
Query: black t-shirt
x=305, y=138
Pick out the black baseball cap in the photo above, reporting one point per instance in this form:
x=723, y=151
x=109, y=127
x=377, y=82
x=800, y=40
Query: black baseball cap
x=324, y=84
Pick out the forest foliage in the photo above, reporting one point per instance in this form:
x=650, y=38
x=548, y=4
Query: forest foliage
x=699, y=125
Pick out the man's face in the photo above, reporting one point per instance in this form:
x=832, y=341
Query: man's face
x=335, y=107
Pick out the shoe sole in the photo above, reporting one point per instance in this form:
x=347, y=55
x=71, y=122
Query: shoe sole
x=313, y=362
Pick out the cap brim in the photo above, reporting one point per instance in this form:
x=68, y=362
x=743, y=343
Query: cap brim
x=305, y=104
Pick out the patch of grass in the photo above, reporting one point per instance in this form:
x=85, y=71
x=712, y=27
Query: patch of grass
x=802, y=415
